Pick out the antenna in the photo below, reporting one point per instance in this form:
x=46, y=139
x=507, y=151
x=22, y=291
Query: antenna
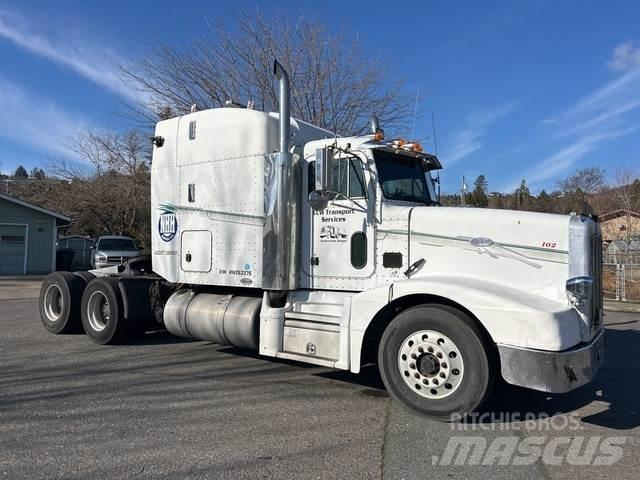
x=433, y=126
x=415, y=113
x=435, y=149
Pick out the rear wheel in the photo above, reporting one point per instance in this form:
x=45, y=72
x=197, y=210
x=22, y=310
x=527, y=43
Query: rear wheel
x=59, y=303
x=102, y=311
x=434, y=361
x=86, y=276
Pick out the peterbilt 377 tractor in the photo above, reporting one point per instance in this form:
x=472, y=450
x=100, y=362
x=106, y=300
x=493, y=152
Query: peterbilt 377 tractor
x=275, y=235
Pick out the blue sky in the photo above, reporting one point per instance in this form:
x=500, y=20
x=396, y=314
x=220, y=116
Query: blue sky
x=528, y=89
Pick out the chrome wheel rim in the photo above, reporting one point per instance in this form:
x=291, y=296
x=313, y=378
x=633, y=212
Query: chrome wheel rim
x=98, y=311
x=53, y=303
x=431, y=364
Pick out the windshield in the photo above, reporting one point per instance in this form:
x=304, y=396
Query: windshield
x=116, y=244
x=402, y=178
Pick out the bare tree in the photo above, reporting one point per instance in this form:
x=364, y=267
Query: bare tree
x=582, y=186
x=336, y=84
x=625, y=188
x=110, y=194
x=626, y=195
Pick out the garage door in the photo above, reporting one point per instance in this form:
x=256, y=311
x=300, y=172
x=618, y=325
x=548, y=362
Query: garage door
x=12, y=249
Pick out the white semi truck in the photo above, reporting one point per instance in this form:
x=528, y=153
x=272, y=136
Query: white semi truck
x=275, y=235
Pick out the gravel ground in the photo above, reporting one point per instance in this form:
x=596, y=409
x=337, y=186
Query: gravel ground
x=168, y=408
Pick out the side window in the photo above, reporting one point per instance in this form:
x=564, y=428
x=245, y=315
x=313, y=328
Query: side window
x=311, y=177
x=350, y=175
x=341, y=174
x=357, y=187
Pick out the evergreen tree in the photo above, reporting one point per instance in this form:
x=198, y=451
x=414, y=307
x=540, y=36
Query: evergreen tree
x=522, y=195
x=479, y=195
x=20, y=173
x=37, y=174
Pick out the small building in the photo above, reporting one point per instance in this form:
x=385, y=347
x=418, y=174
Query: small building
x=81, y=247
x=620, y=225
x=28, y=236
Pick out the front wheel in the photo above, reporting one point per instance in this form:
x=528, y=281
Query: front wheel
x=434, y=361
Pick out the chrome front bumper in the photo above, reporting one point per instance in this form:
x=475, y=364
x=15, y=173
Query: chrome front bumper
x=106, y=264
x=554, y=372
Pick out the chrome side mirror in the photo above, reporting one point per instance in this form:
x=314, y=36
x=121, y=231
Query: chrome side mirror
x=318, y=200
x=325, y=170
x=325, y=181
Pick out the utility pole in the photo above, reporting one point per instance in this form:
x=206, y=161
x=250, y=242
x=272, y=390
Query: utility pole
x=463, y=192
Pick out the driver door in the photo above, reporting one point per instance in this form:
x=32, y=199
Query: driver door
x=341, y=246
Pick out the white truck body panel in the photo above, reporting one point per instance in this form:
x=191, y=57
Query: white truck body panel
x=210, y=186
x=221, y=153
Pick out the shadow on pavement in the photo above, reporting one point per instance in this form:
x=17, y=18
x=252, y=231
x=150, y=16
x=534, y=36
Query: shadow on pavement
x=369, y=377
x=616, y=385
x=160, y=337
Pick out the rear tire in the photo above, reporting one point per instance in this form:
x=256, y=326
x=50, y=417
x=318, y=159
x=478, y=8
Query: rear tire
x=60, y=297
x=103, y=312
x=86, y=276
x=434, y=360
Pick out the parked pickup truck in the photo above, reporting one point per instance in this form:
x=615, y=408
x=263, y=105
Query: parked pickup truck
x=112, y=250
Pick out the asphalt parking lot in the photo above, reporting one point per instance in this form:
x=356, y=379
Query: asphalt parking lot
x=167, y=408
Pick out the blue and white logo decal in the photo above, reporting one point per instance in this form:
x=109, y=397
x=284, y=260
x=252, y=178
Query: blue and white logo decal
x=167, y=223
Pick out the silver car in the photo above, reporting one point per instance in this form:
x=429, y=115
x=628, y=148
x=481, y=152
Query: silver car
x=112, y=250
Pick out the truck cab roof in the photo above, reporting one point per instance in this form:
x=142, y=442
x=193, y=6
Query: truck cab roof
x=368, y=142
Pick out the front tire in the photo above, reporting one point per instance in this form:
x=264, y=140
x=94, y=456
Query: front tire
x=434, y=360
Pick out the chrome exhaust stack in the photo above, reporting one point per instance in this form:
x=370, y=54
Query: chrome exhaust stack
x=282, y=196
x=285, y=112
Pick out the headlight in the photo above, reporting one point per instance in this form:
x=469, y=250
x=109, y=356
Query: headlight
x=101, y=258
x=580, y=287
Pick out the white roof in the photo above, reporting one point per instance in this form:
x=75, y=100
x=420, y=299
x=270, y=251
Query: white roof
x=17, y=201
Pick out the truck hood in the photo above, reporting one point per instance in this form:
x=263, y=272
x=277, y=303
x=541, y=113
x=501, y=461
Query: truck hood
x=524, y=249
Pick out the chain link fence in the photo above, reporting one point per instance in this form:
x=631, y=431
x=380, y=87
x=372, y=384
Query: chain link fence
x=621, y=277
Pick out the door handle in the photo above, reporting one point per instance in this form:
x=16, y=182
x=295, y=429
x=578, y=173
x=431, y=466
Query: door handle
x=415, y=266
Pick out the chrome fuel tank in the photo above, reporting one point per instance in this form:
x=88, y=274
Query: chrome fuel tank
x=225, y=319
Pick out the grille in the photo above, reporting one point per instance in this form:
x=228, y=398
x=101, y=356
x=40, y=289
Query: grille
x=116, y=259
x=596, y=266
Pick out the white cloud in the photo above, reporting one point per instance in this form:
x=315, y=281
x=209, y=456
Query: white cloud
x=563, y=159
x=36, y=123
x=605, y=106
x=469, y=139
x=83, y=57
x=626, y=56
x=595, y=119
x=608, y=114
